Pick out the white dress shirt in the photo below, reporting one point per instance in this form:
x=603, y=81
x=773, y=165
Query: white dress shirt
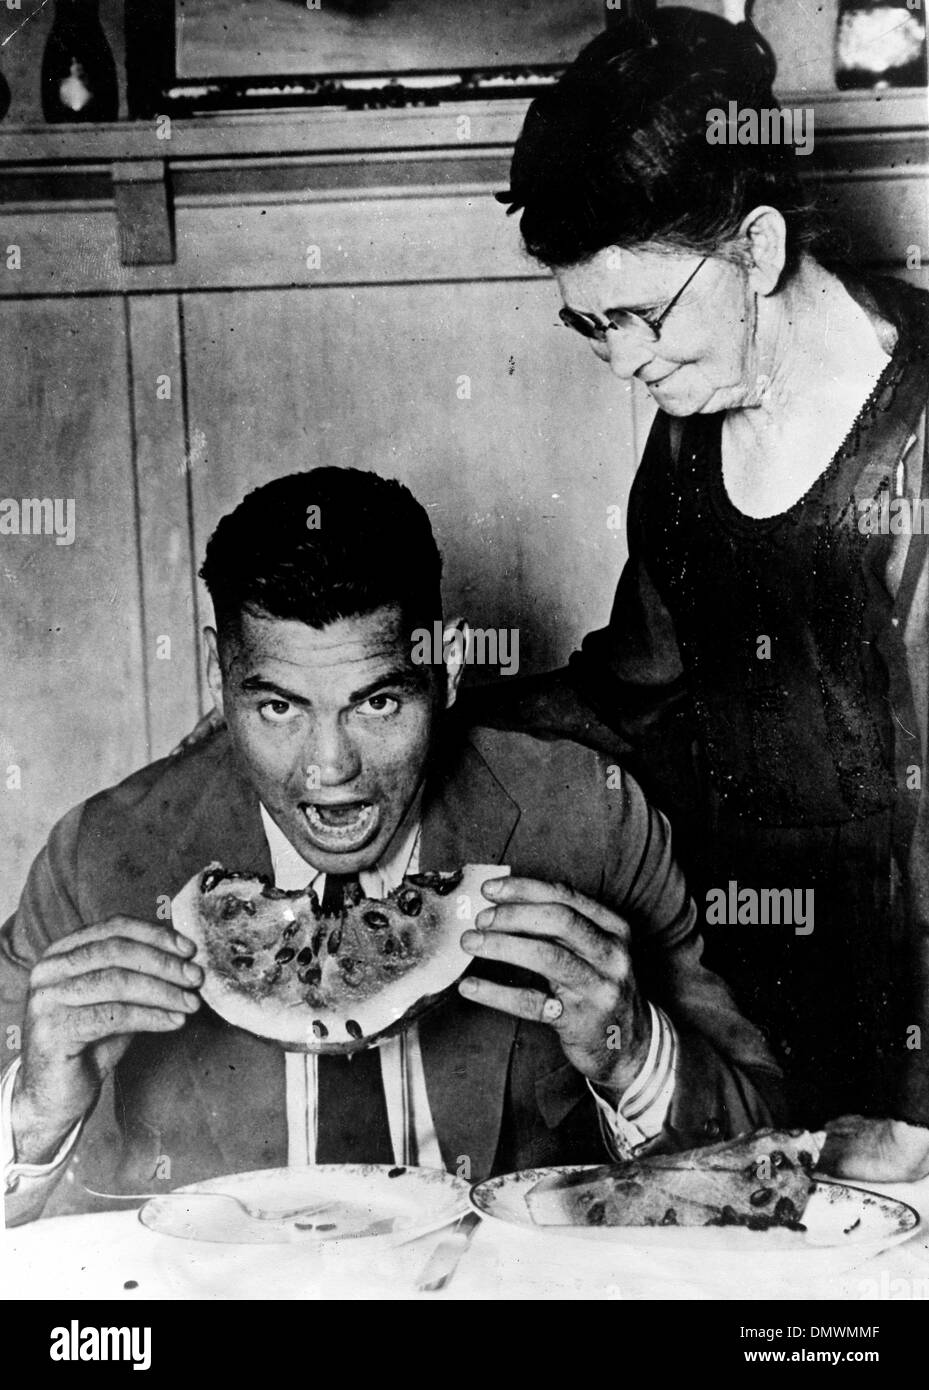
x=412, y=1131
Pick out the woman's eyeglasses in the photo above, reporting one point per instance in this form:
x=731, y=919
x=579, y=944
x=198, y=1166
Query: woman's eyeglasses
x=648, y=329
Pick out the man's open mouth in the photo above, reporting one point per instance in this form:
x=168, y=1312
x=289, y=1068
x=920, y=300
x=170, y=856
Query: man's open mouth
x=342, y=825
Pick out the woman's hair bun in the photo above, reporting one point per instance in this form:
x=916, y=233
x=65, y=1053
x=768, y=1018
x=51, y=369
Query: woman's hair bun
x=617, y=152
x=693, y=42
x=758, y=52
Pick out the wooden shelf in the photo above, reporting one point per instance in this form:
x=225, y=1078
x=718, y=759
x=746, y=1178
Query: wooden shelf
x=240, y=135
x=493, y=124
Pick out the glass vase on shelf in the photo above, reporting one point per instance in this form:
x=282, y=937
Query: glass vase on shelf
x=79, y=80
x=880, y=43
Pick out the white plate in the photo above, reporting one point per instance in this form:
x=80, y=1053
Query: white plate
x=362, y=1204
x=845, y=1226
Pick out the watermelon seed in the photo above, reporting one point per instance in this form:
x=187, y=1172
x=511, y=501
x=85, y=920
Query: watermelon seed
x=243, y=962
x=376, y=920
x=305, y=956
x=320, y=1029
x=285, y=954
x=353, y=1029
x=335, y=941
x=440, y=883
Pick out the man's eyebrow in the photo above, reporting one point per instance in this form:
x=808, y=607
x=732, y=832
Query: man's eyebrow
x=260, y=685
x=400, y=678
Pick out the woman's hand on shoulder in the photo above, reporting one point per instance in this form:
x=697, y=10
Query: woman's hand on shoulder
x=204, y=728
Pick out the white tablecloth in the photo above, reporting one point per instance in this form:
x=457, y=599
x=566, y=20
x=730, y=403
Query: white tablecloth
x=113, y=1256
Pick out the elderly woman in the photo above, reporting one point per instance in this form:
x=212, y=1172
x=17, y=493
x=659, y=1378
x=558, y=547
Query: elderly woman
x=765, y=664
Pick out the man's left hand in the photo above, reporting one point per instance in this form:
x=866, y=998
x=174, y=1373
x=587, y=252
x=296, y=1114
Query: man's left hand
x=582, y=950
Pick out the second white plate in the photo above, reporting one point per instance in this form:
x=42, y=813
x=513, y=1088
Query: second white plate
x=347, y=1204
x=844, y=1226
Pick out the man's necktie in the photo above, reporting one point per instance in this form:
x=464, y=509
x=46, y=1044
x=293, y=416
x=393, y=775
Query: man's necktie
x=351, y=1108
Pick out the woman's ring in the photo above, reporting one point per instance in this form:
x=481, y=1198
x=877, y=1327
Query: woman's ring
x=552, y=1009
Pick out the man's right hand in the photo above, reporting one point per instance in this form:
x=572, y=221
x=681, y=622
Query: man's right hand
x=88, y=995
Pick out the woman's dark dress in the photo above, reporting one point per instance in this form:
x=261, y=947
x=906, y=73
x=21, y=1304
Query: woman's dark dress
x=786, y=770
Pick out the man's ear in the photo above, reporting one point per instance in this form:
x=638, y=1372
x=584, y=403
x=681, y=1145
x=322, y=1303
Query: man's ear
x=456, y=644
x=214, y=674
x=766, y=231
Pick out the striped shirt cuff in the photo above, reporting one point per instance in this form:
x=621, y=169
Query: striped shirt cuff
x=36, y=1179
x=644, y=1105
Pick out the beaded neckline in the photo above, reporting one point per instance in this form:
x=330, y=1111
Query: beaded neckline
x=878, y=401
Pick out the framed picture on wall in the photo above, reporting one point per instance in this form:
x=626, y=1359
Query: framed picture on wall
x=228, y=54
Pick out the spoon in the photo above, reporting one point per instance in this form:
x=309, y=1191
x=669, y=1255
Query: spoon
x=256, y=1213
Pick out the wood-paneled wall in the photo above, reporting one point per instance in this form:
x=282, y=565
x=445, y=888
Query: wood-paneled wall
x=423, y=344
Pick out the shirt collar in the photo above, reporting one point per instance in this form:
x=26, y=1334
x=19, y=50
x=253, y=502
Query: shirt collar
x=292, y=871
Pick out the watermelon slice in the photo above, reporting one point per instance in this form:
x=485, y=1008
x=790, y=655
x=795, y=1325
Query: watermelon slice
x=758, y=1180
x=275, y=965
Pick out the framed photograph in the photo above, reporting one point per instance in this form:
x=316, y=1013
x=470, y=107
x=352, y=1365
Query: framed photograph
x=229, y=54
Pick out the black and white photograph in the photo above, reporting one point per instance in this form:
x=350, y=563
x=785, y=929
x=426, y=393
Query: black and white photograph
x=464, y=594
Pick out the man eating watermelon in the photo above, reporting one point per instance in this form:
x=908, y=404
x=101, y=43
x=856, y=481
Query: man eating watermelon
x=586, y=1026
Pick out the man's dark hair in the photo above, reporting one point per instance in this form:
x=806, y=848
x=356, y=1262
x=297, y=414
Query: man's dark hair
x=318, y=546
x=616, y=153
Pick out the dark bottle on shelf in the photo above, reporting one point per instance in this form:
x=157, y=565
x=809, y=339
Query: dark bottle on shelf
x=149, y=31
x=79, y=80
x=880, y=43
x=4, y=96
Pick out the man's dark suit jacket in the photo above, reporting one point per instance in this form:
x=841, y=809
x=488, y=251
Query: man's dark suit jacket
x=212, y=1098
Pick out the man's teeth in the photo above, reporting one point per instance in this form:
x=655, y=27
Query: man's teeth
x=340, y=820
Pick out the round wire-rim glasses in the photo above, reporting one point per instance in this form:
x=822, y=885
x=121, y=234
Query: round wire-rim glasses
x=625, y=319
